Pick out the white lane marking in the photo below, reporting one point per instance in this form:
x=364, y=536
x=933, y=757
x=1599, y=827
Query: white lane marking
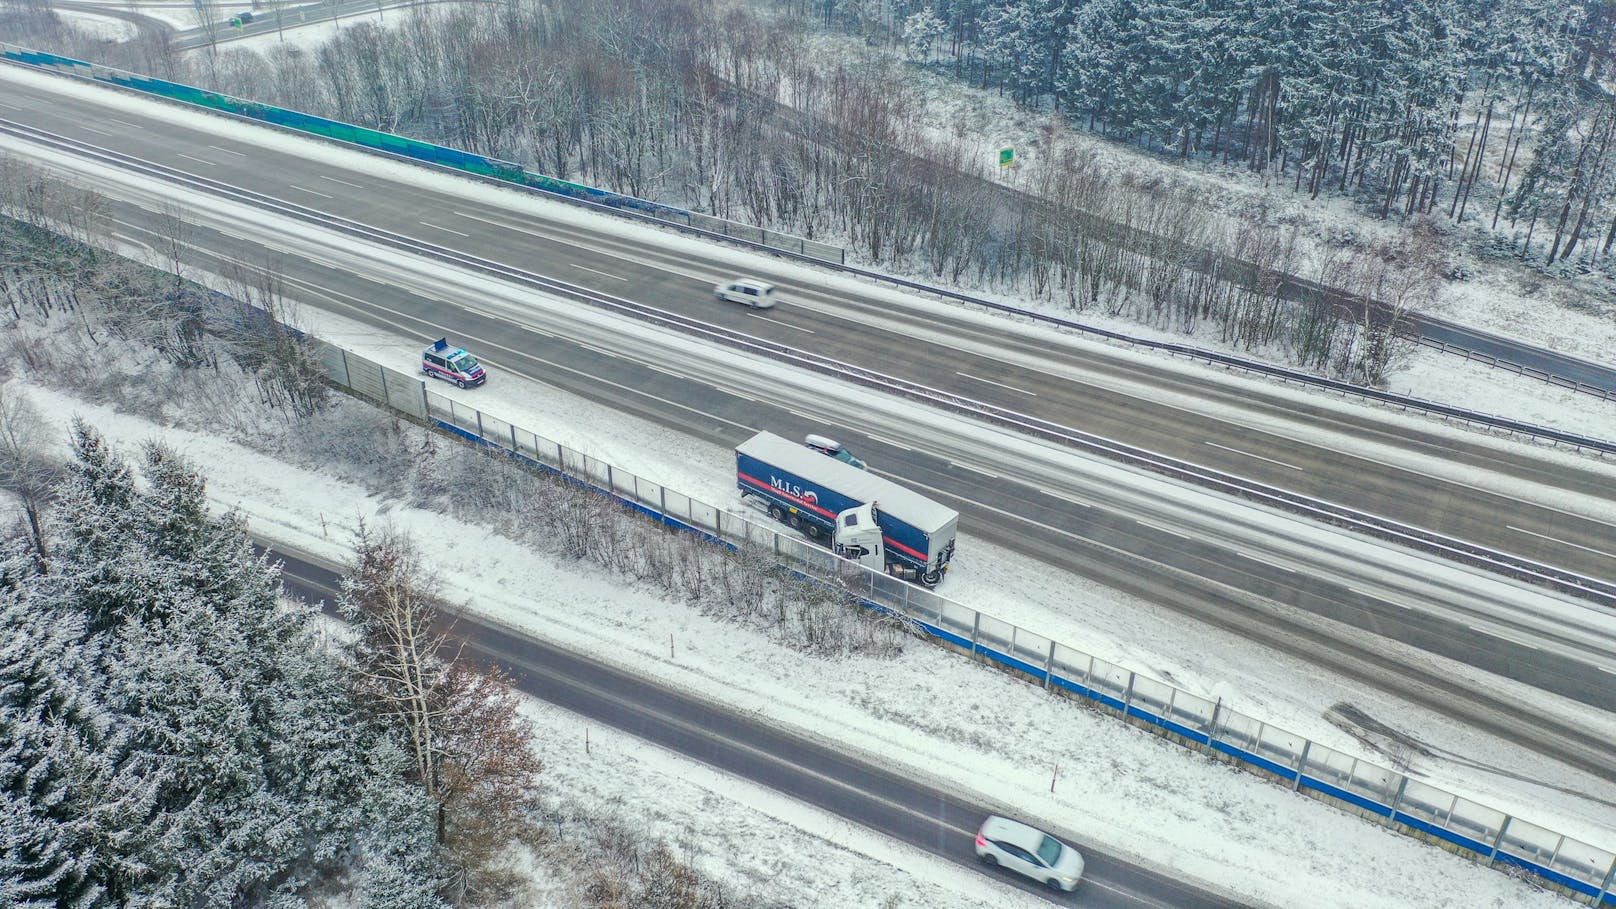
x=197, y=160
x=444, y=229
x=1030, y=394
x=124, y=123
x=96, y=129
x=1160, y=529
x=667, y=372
x=991, y=476
x=885, y=441
x=343, y=182
x=9, y=106
x=806, y=331
x=596, y=272
x=312, y=192
x=228, y=151
x=1257, y=456
x=1064, y=498
x=1533, y=533
x=1251, y=558
x=1494, y=634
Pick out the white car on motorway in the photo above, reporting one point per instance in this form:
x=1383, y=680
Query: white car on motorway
x=749, y=291
x=832, y=448
x=1029, y=851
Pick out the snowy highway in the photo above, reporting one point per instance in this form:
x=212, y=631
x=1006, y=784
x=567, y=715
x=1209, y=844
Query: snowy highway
x=1321, y=593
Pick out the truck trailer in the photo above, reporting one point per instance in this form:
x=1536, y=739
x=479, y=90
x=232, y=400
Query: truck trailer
x=861, y=516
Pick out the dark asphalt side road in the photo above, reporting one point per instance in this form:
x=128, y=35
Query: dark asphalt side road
x=902, y=807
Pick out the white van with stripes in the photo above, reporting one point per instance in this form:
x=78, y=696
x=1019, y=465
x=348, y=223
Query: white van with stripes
x=452, y=364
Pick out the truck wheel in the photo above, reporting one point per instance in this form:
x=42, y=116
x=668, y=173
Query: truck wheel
x=778, y=513
x=813, y=530
x=931, y=578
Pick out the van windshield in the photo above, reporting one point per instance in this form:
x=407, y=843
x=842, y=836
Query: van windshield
x=463, y=363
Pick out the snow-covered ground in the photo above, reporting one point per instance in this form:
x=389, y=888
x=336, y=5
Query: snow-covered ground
x=1134, y=793
x=944, y=717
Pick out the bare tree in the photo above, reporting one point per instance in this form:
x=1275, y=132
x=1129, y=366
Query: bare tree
x=26, y=467
x=472, y=750
x=388, y=594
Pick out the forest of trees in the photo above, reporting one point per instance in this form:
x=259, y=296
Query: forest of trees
x=1408, y=103
x=172, y=734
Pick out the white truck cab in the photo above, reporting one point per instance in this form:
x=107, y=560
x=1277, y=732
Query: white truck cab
x=858, y=537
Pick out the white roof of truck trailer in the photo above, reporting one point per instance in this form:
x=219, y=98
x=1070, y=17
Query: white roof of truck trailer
x=909, y=507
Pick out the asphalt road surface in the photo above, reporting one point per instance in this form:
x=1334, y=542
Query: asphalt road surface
x=1243, y=430
x=905, y=808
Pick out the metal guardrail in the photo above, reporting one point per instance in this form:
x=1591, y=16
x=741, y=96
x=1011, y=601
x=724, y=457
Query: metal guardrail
x=1459, y=550
x=1484, y=834
x=423, y=152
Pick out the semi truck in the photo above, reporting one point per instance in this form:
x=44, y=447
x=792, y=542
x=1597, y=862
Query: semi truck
x=863, y=517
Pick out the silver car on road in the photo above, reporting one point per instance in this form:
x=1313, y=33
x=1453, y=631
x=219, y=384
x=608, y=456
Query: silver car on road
x=1029, y=851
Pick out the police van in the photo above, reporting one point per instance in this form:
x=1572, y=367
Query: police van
x=452, y=364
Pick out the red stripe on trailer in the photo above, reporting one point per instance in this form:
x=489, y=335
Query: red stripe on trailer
x=800, y=500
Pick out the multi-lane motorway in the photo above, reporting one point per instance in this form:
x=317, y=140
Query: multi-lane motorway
x=1510, y=498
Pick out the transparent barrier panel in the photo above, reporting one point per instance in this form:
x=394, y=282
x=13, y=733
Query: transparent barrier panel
x=437, y=407
x=1529, y=841
x=819, y=562
x=994, y=633
x=1030, y=648
x=497, y=431
x=1072, y=665
x=923, y=604
x=1427, y=802
x=887, y=590
x=1475, y=820
x=1329, y=765
x=703, y=515
x=598, y=471
x=678, y=504
x=1374, y=781
x=573, y=462
x=758, y=534
x=463, y=416
x=403, y=392
x=331, y=361
x=528, y=444
x=731, y=527
x=1280, y=746
x=1239, y=730
x=799, y=554
x=960, y=620
x=1192, y=710
x=1110, y=679
x=623, y=482
x=1586, y=863
x=649, y=493
x=1151, y=695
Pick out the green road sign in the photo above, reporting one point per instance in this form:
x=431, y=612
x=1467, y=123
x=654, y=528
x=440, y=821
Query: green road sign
x=1007, y=156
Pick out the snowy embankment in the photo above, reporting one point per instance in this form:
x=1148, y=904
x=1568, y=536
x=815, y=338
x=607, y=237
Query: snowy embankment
x=947, y=718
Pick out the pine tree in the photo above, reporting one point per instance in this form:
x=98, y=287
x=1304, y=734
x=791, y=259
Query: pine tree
x=173, y=735
x=50, y=730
